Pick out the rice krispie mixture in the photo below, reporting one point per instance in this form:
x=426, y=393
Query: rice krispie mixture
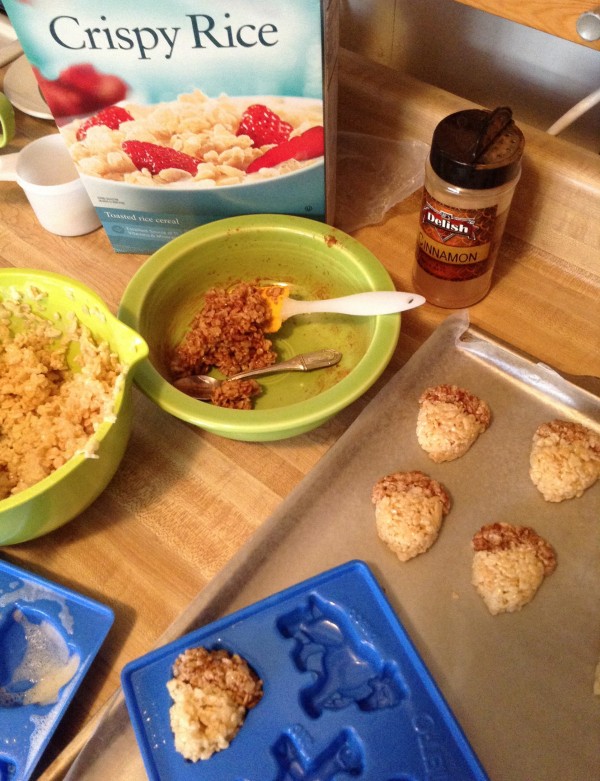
x=409, y=510
x=208, y=150
x=211, y=693
x=48, y=410
x=564, y=459
x=449, y=421
x=509, y=564
x=228, y=334
x=235, y=394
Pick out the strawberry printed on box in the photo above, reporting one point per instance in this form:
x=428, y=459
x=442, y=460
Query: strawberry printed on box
x=179, y=114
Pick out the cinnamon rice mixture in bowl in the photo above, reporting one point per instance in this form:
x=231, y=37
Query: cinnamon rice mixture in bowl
x=316, y=261
x=228, y=334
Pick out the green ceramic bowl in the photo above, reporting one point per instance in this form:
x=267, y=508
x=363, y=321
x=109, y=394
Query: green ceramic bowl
x=318, y=261
x=66, y=492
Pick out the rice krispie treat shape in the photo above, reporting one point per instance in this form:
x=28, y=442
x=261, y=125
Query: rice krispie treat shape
x=449, y=421
x=564, y=460
x=509, y=564
x=409, y=510
x=211, y=693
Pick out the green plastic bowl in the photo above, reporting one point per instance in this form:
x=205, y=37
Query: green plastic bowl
x=67, y=491
x=318, y=261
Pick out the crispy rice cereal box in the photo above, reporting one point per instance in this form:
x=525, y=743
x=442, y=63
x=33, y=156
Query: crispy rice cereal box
x=180, y=113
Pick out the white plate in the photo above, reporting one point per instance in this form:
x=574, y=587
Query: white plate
x=21, y=88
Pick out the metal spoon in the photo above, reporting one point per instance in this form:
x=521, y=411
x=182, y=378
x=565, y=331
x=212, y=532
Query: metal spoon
x=201, y=386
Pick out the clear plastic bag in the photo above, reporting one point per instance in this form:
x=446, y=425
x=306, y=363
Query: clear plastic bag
x=373, y=175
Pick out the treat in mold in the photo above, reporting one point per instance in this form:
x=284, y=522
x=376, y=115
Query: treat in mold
x=509, y=565
x=409, y=510
x=211, y=691
x=449, y=421
x=564, y=460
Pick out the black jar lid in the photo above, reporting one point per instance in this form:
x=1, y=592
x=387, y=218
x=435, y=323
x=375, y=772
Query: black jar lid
x=477, y=149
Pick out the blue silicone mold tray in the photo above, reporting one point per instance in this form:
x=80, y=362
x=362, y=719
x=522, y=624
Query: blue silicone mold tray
x=49, y=634
x=345, y=693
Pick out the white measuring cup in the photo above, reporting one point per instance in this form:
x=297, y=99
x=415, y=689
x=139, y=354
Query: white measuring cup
x=47, y=174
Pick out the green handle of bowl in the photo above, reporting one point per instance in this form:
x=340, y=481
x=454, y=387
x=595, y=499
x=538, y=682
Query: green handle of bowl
x=7, y=120
x=137, y=346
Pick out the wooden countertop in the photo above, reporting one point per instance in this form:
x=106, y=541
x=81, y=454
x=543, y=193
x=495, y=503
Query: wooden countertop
x=184, y=501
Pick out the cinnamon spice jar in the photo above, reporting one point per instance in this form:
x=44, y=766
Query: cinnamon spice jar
x=470, y=177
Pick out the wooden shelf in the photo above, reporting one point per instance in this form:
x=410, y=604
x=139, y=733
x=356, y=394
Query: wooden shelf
x=549, y=16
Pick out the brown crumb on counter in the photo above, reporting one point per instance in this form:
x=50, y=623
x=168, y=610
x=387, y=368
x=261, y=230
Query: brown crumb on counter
x=564, y=460
x=449, y=421
x=509, y=564
x=409, y=510
x=211, y=693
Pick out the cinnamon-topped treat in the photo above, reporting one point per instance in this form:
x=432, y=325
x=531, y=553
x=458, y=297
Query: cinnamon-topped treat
x=211, y=693
x=449, y=421
x=509, y=564
x=564, y=459
x=409, y=510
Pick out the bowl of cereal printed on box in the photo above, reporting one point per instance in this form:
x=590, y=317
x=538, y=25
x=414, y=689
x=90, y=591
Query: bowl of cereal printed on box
x=225, y=154
x=66, y=370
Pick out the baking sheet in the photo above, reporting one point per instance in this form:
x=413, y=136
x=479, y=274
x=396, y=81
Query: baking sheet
x=520, y=684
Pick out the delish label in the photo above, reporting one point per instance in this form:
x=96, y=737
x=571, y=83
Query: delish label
x=454, y=243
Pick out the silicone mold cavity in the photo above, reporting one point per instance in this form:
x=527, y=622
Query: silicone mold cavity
x=7, y=770
x=300, y=759
x=14, y=647
x=335, y=646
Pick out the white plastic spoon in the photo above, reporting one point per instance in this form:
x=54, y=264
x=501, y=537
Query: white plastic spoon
x=380, y=302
